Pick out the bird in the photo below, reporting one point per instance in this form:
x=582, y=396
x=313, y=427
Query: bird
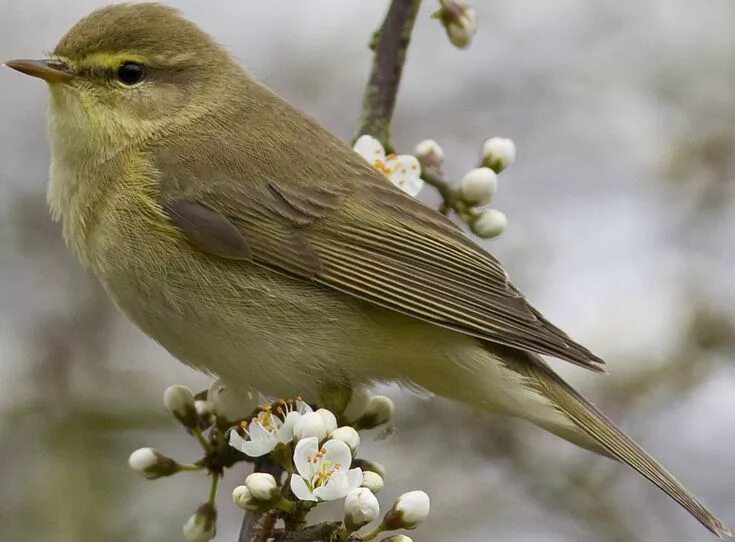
x=254, y=245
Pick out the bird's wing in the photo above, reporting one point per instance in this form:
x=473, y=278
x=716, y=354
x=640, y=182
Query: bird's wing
x=372, y=241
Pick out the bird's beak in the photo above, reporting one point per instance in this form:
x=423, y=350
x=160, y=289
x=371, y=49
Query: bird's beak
x=52, y=71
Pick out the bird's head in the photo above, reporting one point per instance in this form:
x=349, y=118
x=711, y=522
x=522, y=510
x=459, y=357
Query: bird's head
x=129, y=70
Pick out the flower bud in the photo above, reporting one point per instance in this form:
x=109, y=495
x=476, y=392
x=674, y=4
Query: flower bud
x=349, y=436
x=330, y=420
x=149, y=463
x=179, y=400
x=378, y=411
x=429, y=153
x=358, y=403
x=262, y=486
x=491, y=223
x=361, y=507
x=398, y=538
x=202, y=525
x=369, y=466
x=478, y=186
x=242, y=498
x=308, y=425
x=460, y=21
x=373, y=481
x=230, y=403
x=498, y=153
x=408, y=511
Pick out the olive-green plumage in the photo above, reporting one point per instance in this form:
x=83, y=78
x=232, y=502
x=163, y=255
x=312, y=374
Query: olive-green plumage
x=253, y=244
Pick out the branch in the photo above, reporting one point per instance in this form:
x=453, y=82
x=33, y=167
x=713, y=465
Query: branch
x=390, y=43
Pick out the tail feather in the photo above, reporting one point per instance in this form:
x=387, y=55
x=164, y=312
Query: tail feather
x=595, y=425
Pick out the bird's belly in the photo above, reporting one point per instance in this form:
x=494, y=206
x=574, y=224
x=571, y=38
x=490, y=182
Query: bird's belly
x=262, y=330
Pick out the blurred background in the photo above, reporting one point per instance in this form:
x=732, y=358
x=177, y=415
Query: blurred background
x=622, y=228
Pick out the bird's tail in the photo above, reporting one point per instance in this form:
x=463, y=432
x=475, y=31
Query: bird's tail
x=598, y=433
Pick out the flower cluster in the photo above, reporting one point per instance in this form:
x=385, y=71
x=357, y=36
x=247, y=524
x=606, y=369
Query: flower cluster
x=315, y=448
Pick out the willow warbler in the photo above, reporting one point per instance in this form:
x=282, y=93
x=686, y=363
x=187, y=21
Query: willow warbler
x=253, y=244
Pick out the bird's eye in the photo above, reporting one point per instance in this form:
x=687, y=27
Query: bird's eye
x=131, y=73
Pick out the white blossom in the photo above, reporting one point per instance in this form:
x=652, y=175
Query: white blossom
x=402, y=170
x=310, y=425
x=242, y=497
x=429, y=153
x=408, y=511
x=262, y=486
x=329, y=419
x=202, y=525
x=373, y=481
x=491, y=223
x=498, y=153
x=323, y=474
x=231, y=403
x=478, y=186
x=348, y=435
x=361, y=507
x=268, y=429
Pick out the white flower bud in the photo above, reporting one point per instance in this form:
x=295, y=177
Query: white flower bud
x=373, y=481
x=478, y=186
x=460, y=21
x=142, y=459
x=242, y=497
x=149, y=463
x=330, y=420
x=398, y=538
x=361, y=507
x=381, y=408
x=498, y=153
x=349, y=436
x=262, y=486
x=429, y=153
x=408, y=511
x=230, y=403
x=203, y=407
x=308, y=425
x=202, y=525
x=490, y=224
x=358, y=403
x=179, y=400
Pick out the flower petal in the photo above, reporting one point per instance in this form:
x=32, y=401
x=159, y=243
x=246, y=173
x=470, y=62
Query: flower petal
x=335, y=488
x=256, y=448
x=285, y=433
x=306, y=448
x=369, y=148
x=338, y=453
x=405, y=173
x=354, y=479
x=302, y=407
x=301, y=489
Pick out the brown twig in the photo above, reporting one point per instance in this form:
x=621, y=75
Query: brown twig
x=390, y=44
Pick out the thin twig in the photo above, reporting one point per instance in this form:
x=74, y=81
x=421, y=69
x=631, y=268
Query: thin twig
x=390, y=43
